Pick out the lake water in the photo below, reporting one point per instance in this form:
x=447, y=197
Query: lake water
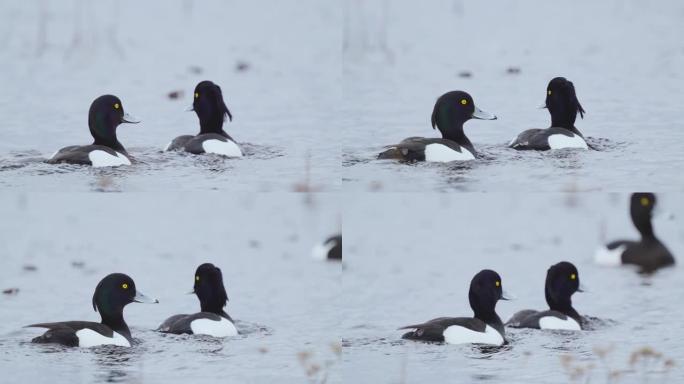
x=409, y=260
x=317, y=89
x=57, y=57
x=623, y=58
x=285, y=302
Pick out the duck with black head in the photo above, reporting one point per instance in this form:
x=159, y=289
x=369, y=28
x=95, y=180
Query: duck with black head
x=449, y=114
x=562, y=281
x=212, y=320
x=212, y=111
x=563, y=105
x=111, y=295
x=648, y=254
x=330, y=249
x=485, y=327
x=105, y=115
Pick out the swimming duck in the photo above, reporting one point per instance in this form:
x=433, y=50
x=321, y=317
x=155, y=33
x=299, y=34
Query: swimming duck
x=211, y=110
x=212, y=320
x=105, y=115
x=649, y=253
x=562, y=281
x=451, y=111
x=112, y=294
x=485, y=327
x=562, y=104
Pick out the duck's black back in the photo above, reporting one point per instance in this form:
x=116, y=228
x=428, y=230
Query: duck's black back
x=180, y=324
x=413, y=148
x=433, y=330
x=64, y=332
x=649, y=254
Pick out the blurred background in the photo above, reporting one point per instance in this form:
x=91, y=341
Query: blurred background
x=410, y=259
x=624, y=58
x=277, y=62
x=56, y=248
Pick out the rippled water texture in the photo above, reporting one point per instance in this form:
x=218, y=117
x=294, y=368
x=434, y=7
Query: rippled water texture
x=279, y=80
x=285, y=303
x=624, y=58
x=410, y=260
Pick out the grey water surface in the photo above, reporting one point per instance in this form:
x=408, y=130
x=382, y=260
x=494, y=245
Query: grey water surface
x=410, y=259
x=623, y=57
x=55, y=249
x=278, y=79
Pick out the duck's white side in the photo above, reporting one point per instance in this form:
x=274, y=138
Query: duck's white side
x=609, y=257
x=88, y=338
x=560, y=141
x=100, y=158
x=553, y=322
x=220, y=328
x=441, y=153
x=225, y=148
x=457, y=334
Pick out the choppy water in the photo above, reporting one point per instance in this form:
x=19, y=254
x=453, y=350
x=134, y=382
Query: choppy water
x=281, y=90
x=285, y=302
x=409, y=55
x=410, y=260
x=317, y=89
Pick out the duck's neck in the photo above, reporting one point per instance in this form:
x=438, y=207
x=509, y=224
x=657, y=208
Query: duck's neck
x=490, y=318
x=214, y=308
x=212, y=124
x=104, y=134
x=112, y=143
x=644, y=226
x=453, y=130
x=563, y=306
x=567, y=122
x=117, y=324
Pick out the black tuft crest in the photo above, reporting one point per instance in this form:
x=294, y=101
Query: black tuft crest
x=221, y=105
x=209, y=288
x=562, y=103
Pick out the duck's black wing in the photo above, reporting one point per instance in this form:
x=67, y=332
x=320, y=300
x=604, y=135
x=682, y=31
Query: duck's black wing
x=648, y=255
x=530, y=318
x=180, y=324
x=433, y=330
x=519, y=319
x=413, y=148
x=78, y=154
x=178, y=144
x=531, y=139
x=65, y=332
x=169, y=325
x=538, y=139
x=621, y=243
x=335, y=253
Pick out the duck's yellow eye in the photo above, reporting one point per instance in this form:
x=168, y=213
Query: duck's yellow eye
x=464, y=101
x=124, y=286
x=548, y=92
x=196, y=278
x=196, y=95
x=645, y=202
x=116, y=106
x=498, y=283
x=573, y=277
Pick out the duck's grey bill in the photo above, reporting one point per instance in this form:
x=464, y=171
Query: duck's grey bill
x=482, y=115
x=542, y=106
x=128, y=119
x=582, y=288
x=140, y=298
x=507, y=296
